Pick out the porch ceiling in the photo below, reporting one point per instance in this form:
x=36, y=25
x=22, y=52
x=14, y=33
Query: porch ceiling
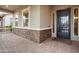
x=12, y=8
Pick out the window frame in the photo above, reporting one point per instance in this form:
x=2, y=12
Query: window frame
x=16, y=18
x=73, y=22
x=26, y=9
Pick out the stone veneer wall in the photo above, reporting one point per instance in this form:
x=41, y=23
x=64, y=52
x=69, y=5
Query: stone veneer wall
x=35, y=35
x=45, y=34
x=2, y=30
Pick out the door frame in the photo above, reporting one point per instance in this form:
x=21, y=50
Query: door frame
x=69, y=9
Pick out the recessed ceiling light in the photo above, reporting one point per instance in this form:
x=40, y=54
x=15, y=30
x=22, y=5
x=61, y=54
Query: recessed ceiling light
x=6, y=6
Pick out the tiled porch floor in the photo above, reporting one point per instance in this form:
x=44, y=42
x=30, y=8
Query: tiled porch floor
x=12, y=43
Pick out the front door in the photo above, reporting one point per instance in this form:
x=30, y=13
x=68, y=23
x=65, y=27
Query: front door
x=63, y=24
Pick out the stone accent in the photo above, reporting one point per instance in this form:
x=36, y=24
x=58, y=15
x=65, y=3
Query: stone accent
x=45, y=34
x=2, y=30
x=35, y=35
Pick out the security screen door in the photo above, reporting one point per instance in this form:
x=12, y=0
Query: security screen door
x=63, y=24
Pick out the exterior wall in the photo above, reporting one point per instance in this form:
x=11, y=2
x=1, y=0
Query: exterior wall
x=45, y=17
x=39, y=16
x=35, y=17
x=45, y=34
x=27, y=33
x=45, y=21
x=41, y=23
x=34, y=21
x=39, y=29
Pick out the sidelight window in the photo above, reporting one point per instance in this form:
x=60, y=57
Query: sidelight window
x=53, y=23
x=76, y=21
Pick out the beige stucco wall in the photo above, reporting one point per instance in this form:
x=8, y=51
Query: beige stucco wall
x=45, y=16
x=35, y=16
x=39, y=16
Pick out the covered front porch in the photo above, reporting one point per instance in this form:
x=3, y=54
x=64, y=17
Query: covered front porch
x=38, y=28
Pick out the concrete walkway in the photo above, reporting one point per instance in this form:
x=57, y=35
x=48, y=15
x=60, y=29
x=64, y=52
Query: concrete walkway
x=11, y=43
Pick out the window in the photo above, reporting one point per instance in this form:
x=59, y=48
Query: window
x=76, y=21
x=75, y=26
x=16, y=20
x=25, y=18
x=76, y=12
x=53, y=23
x=25, y=14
